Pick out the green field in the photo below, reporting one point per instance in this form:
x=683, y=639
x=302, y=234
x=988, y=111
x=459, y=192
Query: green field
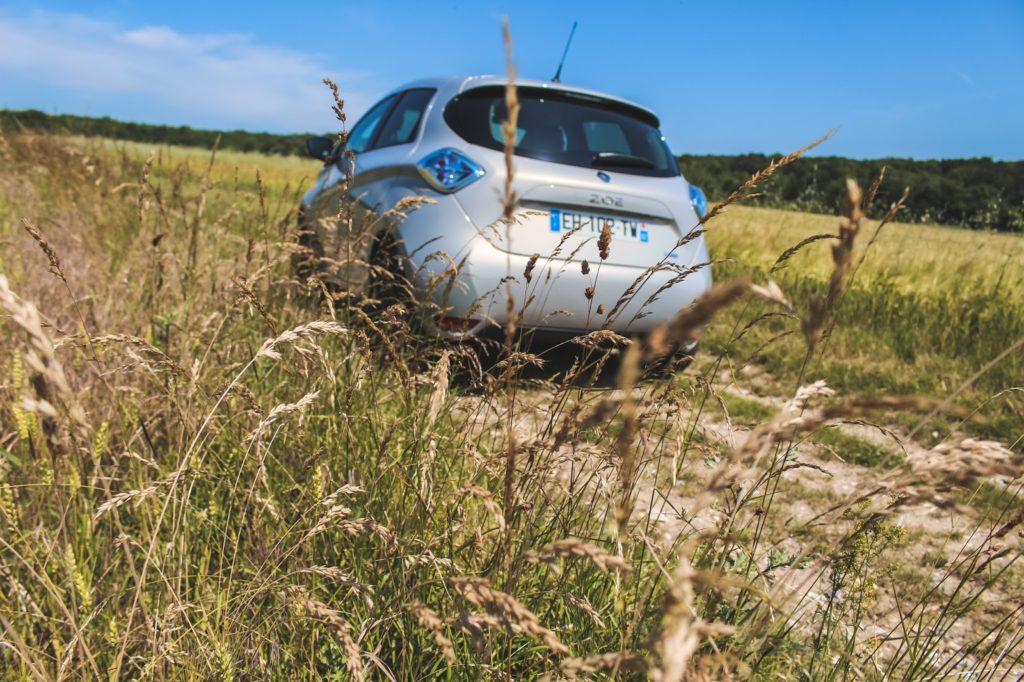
x=928, y=309
x=209, y=469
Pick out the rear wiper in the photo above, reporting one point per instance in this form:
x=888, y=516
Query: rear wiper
x=623, y=160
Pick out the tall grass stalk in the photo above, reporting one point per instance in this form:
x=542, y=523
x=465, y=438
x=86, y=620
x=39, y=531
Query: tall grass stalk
x=217, y=463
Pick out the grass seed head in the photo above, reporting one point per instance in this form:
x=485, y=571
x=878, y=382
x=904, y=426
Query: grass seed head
x=430, y=621
x=604, y=241
x=341, y=631
x=530, y=265
x=310, y=330
x=504, y=611
x=572, y=548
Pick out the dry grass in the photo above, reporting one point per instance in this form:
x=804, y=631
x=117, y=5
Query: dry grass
x=917, y=257
x=169, y=448
x=927, y=310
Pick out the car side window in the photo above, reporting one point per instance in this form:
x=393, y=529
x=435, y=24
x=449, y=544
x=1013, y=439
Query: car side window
x=403, y=122
x=364, y=131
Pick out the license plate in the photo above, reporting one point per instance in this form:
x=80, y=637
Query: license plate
x=588, y=223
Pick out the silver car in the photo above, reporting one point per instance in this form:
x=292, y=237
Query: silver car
x=585, y=163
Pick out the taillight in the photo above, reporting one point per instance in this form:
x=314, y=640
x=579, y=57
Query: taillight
x=699, y=201
x=447, y=170
x=456, y=324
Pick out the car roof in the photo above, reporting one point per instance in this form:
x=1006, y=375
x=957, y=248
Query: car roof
x=453, y=85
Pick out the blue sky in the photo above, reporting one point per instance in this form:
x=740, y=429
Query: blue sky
x=919, y=79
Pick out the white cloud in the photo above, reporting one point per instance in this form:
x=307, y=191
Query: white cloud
x=227, y=80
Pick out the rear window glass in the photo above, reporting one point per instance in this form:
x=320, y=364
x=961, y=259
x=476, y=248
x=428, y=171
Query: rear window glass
x=565, y=127
x=602, y=136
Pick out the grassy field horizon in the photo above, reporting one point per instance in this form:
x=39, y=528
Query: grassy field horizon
x=944, y=271
x=211, y=469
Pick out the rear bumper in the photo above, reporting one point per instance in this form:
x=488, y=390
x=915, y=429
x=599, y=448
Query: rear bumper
x=544, y=339
x=558, y=299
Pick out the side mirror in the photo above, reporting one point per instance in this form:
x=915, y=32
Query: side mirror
x=319, y=147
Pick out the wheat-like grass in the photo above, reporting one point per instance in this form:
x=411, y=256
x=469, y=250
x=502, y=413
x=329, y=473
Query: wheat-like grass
x=439, y=391
x=41, y=358
x=430, y=621
x=745, y=190
x=51, y=255
x=681, y=629
x=279, y=412
x=617, y=662
x=534, y=516
x=505, y=611
x=309, y=330
x=341, y=631
x=136, y=496
x=571, y=548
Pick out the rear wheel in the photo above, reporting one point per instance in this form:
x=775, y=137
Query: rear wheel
x=673, y=362
x=386, y=284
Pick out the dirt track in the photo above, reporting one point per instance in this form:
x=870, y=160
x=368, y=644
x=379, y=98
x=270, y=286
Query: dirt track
x=932, y=533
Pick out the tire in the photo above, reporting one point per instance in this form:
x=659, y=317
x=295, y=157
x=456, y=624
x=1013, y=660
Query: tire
x=386, y=282
x=672, y=363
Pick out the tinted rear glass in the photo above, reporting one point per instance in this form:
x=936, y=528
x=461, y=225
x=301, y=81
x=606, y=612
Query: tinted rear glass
x=565, y=127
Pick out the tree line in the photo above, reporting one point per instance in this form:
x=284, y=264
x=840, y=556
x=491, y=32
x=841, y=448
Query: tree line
x=238, y=140
x=974, y=193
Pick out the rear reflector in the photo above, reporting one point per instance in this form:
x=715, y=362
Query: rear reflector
x=456, y=324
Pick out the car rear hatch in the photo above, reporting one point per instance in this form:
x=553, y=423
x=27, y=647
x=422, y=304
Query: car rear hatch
x=583, y=165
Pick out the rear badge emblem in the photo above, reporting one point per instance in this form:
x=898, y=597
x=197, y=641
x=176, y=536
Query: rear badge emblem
x=604, y=176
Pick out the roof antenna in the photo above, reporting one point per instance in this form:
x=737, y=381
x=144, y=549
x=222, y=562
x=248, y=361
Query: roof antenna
x=558, y=74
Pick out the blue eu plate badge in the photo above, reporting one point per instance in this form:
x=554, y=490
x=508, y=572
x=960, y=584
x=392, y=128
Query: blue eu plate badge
x=590, y=224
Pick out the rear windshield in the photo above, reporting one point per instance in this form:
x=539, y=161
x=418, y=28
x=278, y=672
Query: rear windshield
x=565, y=127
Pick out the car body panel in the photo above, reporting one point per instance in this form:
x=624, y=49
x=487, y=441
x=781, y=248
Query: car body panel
x=542, y=186
x=462, y=231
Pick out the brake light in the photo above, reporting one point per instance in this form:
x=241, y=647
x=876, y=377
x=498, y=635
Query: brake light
x=447, y=170
x=456, y=324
